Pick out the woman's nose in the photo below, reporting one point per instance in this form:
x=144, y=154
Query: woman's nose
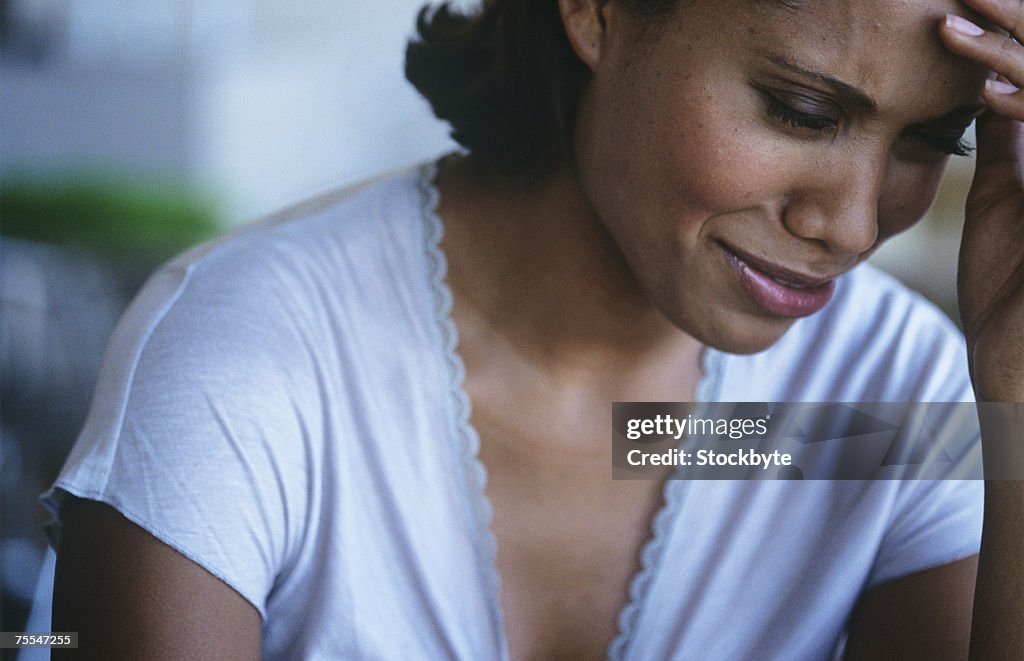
x=837, y=204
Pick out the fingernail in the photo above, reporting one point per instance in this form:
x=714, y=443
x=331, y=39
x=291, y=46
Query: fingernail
x=999, y=87
x=963, y=26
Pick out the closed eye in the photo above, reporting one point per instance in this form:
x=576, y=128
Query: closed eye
x=949, y=143
x=798, y=119
x=800, y=110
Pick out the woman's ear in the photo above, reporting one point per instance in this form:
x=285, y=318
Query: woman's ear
x=585, y=24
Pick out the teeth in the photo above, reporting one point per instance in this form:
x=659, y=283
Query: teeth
x=792, y=285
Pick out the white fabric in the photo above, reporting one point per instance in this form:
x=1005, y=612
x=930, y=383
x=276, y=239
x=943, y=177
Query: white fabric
x=285, y=408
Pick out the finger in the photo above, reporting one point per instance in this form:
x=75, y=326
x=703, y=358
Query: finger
x=1003, y=97
x=1007, y=14
x=1000, y=165
x=998, y=52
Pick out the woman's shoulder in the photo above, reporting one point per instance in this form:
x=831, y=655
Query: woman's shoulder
x=877, y=340
x=340, y=281
x=353, y=252
x=384, y=213
x=870, y=301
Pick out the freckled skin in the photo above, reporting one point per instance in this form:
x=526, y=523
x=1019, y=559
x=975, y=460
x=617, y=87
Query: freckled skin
x=676, y=155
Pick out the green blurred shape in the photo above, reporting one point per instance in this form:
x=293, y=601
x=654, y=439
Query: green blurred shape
x=117, y=218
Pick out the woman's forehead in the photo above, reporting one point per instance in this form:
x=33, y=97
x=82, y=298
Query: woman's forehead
x=880, y=8
x=887, y=49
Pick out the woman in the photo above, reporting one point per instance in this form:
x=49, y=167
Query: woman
x=663, y=201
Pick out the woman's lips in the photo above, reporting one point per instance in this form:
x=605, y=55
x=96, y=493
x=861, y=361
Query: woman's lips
x=778, y=291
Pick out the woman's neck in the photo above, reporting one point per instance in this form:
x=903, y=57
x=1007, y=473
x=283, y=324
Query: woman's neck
x=532, y=269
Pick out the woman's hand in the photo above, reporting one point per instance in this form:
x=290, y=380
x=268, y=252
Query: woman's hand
x=991, y=295
x=991, y=271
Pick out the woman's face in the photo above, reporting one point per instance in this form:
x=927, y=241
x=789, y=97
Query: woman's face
x=744, y=153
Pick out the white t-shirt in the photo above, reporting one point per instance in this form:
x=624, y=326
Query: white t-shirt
x=285, y=408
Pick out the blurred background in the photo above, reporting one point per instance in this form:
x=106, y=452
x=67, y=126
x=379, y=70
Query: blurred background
x=130, y=129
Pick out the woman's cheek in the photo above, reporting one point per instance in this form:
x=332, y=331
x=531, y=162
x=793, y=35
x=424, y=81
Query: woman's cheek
x=907, y=194
x=749, y=169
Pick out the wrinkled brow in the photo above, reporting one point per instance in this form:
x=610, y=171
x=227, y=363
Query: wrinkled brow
x=785, y=4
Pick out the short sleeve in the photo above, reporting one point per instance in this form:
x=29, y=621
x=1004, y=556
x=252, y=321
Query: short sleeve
x=936, y=521
x=203, y=421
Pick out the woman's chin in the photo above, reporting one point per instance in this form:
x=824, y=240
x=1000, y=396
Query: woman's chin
x=744, y=345
x=743, y=335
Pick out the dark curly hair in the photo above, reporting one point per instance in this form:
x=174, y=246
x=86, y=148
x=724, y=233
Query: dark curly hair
x=505, y=78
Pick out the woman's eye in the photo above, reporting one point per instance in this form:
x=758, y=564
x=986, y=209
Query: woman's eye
x=798, y=119
x=952, y=144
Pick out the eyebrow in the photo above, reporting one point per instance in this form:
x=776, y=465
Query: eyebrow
x=858, y=98
x=845, y=91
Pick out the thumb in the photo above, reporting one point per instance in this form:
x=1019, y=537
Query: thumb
x=1000, y=154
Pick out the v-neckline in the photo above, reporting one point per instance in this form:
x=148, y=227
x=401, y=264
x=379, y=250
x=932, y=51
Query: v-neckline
x=472, y=474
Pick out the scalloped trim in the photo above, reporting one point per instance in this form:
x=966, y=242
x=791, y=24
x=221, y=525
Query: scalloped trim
x=461, y=431
x=468, y=443
x=673, y=496
x=650, y=562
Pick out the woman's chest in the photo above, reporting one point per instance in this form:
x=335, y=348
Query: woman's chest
x=568, y=538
